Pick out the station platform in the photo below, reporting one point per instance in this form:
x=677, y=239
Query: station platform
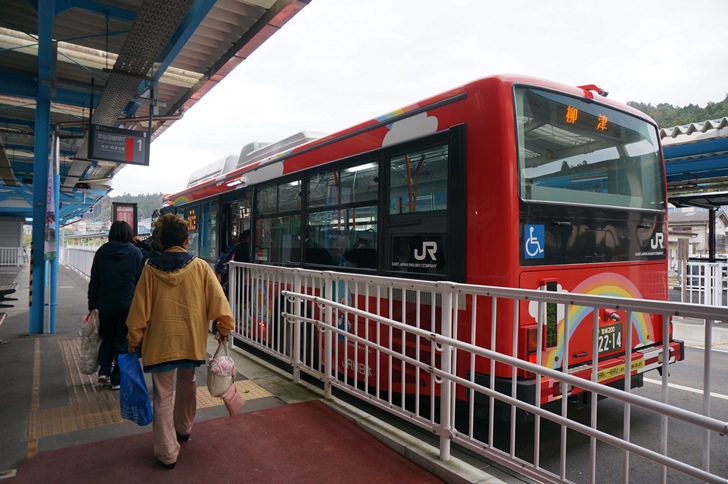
x=57, y=425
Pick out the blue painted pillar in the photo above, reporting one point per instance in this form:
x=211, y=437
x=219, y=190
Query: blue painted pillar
x=55, y=160
x=46, y=10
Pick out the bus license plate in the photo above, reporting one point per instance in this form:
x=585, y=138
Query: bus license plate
x=610, y=338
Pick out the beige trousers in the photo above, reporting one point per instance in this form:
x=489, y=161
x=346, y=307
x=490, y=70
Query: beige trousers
x=173, y=411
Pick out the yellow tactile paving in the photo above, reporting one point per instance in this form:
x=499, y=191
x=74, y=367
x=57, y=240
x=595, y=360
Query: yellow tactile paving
x=53, y=421
x=92, y=406
x=82, y=388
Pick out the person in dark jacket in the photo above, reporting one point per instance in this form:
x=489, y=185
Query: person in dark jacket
x=241, y=251
x=148, y=246
x=114, y=274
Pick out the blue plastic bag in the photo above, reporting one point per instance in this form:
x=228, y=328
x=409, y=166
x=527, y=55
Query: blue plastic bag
x=133, y=394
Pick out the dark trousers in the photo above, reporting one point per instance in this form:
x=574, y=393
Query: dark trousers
x=112, y=331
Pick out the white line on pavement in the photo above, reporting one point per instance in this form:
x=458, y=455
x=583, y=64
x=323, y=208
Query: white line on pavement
x=687, y=389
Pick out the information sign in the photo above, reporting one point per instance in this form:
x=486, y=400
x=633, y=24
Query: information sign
x=119, y=145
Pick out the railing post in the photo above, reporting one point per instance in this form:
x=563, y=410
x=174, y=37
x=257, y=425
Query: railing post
x=446, y=383
x=328, y=335
x=296, y=350
x=232, y=299
x=707, y=366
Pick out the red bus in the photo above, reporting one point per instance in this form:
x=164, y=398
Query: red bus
x=506, y=181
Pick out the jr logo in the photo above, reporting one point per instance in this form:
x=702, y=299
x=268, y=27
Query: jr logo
x=428, y=248
x=658, y=241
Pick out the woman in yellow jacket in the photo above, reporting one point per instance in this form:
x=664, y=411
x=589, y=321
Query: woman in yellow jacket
x=176, y=297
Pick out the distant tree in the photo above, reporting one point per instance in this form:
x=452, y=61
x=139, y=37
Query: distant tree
x=146, y=204
x=667, y=115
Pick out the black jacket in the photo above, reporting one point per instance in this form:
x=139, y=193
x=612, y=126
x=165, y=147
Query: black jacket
x=241, y=252
x=114, y=274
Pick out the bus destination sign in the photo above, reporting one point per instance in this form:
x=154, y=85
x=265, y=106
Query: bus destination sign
x=119, y=145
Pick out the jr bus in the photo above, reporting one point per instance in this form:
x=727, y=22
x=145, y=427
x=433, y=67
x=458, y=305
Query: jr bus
x=506, y=181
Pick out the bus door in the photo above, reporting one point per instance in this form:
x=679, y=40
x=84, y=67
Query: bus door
x=236, y=216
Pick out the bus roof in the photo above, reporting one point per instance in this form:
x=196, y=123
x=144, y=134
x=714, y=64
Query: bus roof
x=256, y=155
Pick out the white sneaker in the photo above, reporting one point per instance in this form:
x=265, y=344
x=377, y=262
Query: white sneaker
x=104, y=380
x=115, y=387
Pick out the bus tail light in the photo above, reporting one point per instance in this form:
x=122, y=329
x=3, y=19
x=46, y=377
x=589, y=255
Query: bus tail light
x=531, y=341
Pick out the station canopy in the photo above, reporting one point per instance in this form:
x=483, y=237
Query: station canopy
x=696, y=163
x=110, y=64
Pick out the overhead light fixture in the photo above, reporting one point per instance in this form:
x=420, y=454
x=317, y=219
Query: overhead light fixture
x=365, y=166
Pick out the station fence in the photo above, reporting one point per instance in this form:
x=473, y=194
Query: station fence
x=301, y=316
x=79, y=259
x=705, y=283
x=12, y=256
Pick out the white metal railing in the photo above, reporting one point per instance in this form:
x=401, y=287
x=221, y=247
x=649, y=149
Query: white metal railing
x=12, y=256
x=79, y=259
x=705, y=283
x=370, y=336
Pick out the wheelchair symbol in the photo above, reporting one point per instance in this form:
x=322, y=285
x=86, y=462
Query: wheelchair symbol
x=534, y=243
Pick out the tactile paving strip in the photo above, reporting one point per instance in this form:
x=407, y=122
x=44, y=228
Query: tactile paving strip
x=81, y=388
x=53, y=421
x=91, y=406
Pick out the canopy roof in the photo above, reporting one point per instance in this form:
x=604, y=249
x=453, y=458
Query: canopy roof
x=101, y=64
x=696, y=160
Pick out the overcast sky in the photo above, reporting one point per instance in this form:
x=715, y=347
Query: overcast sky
x=340, y=62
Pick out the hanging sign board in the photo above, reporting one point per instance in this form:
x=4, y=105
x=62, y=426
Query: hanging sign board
x=119, y=145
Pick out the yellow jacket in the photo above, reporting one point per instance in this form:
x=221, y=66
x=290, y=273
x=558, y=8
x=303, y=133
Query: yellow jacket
x=175, y=299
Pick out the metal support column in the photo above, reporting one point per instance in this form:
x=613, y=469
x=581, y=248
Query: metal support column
x=46, y=10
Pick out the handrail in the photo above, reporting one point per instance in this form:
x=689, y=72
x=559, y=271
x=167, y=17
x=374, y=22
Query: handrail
x=276, y=309
x=713, y=424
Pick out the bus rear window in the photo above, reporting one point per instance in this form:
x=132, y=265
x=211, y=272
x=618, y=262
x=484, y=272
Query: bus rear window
x=571, y=151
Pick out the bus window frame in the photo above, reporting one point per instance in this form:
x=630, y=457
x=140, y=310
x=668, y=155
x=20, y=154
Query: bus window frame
x=396, y=225
x=453, y=232
x=257, y=217
x=339, y=166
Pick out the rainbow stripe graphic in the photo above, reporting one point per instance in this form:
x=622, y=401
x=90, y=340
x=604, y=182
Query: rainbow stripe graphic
x=181, y=200
x=396, y=113
x=605, y=284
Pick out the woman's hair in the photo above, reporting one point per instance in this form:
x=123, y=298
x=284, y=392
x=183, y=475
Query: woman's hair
x=121, y=231
x=170, y=230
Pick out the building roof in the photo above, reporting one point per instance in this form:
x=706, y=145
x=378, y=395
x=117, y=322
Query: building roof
x=694, y=217
x=694, y=132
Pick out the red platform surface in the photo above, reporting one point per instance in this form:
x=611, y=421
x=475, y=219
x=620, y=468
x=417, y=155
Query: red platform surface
x=302, y=443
